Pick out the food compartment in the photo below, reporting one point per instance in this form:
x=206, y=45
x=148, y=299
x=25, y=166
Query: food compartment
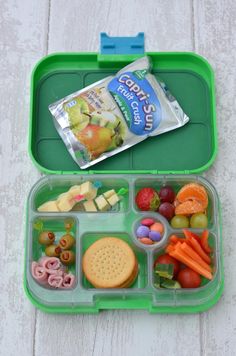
x=80, y=193
x=139, y=288
x=202, y=289
x=150, y=230
x=184, y=201
x=52, y=252
x=141, y=274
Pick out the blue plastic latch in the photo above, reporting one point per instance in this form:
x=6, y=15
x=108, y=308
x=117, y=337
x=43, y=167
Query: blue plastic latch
x=122, y=45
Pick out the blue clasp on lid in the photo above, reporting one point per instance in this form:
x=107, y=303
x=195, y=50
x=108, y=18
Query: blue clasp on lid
x=122, y=45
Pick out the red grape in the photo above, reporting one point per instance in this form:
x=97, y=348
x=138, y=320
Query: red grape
x=167, y=210
x=167, y=194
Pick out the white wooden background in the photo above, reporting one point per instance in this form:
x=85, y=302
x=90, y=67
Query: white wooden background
x=29, y=29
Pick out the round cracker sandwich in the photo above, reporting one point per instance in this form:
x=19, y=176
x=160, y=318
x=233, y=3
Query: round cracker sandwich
x=110, y=263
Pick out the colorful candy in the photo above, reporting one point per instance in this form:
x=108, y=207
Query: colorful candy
x=158, y=227
x=147, y=222
x=142, y=231
x=149, y=231
x=146, y=241
x=154, y=236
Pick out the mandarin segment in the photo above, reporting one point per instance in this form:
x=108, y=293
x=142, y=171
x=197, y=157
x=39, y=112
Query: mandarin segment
x=193, y=191
x=189, y=207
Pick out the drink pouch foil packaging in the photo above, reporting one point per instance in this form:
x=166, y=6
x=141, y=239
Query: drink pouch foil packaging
x=116, y=113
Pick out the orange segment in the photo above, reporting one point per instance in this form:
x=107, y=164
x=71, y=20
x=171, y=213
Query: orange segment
x=193, y=191
x=189, y=207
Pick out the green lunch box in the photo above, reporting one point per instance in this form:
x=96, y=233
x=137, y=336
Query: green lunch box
x=174, y=158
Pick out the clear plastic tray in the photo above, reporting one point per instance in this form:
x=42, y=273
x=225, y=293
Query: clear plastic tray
x=120, y=222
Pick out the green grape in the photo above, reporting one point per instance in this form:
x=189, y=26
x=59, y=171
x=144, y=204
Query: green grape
x=179, y=222
x=199, y=221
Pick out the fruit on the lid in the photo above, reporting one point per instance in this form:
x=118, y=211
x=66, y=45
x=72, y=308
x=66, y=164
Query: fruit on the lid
x=147, y=199
x=167, y=194
x=179, y=222
x=96, y=139
x=78, y=113
x=167, y=210
x=199, y=221
x=193, y=191
x=189, y=207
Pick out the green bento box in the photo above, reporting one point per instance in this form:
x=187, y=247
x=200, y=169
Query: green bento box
x=173, y=158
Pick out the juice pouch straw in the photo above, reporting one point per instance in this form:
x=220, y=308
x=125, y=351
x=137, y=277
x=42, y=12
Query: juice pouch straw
x=116, y=113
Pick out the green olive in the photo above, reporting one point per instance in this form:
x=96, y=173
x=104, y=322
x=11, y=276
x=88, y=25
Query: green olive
x=46, y=238
x=67, y=257
x=53, y=251
x=66, y=242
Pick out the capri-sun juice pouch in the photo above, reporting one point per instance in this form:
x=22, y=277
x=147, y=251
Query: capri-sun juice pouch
x=116, y=113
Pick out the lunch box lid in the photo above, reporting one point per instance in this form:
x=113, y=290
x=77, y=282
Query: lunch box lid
x=188, y=150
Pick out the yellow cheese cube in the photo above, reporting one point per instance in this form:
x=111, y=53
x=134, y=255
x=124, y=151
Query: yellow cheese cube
x=49, y=206
x=88, y=190
x=102, y=204
x=65, y=202
x=113, y=199
x=90, y=206
x=109, y=193
x=74, y=190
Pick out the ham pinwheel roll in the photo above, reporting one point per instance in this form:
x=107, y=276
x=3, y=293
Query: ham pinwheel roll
x=39, y=273
x=55, y=280
x=68, y=281
x=52, y=265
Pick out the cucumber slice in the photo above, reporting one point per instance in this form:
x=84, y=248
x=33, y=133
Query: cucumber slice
x=164, y=270
x=170, y=284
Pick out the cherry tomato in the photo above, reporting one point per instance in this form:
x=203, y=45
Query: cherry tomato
x=167, y=260
x=189, y=278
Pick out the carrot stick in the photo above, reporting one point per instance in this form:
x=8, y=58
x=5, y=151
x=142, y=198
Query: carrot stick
x=188, y=233
x=174, y=239
x=204, y=241
x=179, y=255
x=170, y=248
x=191, y=253
x=197, y=247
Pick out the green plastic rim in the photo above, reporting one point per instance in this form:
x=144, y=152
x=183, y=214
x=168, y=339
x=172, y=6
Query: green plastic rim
x=180, y=70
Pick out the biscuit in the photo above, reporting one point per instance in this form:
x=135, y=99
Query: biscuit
x=110, y=263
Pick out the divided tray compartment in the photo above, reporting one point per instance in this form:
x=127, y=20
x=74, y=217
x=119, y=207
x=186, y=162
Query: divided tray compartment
x=120, y=222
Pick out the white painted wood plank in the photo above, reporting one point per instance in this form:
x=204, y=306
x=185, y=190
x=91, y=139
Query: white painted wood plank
x=215, y=29
x=23, y=30
x=75, y=26
x=117, y=333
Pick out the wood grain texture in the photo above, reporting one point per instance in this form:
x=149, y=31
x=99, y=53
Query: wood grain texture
x=215, y=28
x=76, y=25
x=28, y=30
x=22, y=41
